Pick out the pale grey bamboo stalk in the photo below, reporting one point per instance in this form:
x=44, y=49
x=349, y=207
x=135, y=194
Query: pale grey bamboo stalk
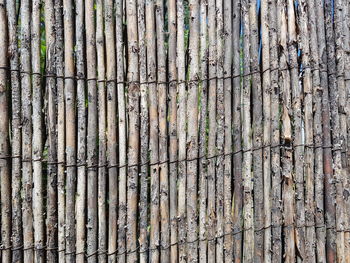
x=26, y=119
x=172, y=132
x=133, y=129
x=228, y=244
x=212, y=61
x=275, y=195
x=237, y=132
x=4, y=140
x=257, y=136
x=81, y=197
x=92, y=135
x=122, y=131
x=144, y=135
x=51, y=119
x=248, y=206
x=181, y=134
x=111, y=131
x=13, y=51
x=59, y=63
x=318, y=134
x=102, y=138
x=266, y=98
x=297, y=132
x=163, y=139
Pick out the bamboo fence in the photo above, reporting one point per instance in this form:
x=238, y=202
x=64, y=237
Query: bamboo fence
x=175, y=131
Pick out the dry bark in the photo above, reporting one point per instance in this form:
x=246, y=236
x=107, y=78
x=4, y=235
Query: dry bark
x=133, y=129
x=4, y=141
x=181, y=133
x=13, y=51
x=26, y=120
x=81, y=197
x=211, y=215
x=144, y=135
x=172, y=132
x=102, y=139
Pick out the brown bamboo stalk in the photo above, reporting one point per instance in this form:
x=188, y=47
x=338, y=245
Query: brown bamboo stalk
x=192, y=138
x=248, y=212
x=212, y=61
x=228, y=245
x=51, y=119
x=172, y=132
x=297, y=132
x=133, y=129
x=163, y=139
x=276, y=197
x=181, y=134
x=237, y=132
x=92, y=134
x=26, y=119
x=13, y=51
x=153, y=143
x=329, y=190
x=81, y=133
x=318, y=134
x=309, y=163
x=61, y=117
x=122, y=132
x=286, y=134
x=220, y=139
x=266, y=98
x=144, y=135
x=257, y=129
x=4, y=141
x=111, y=131
x=37, y=139
x=102, y=124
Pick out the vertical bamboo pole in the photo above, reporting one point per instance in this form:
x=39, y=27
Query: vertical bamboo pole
x=4, y=141
x=133, y=131
x=220, y=139
x=102, y=139
x=192, y=138
x=26, y=119
x=37, y=139
x=237, y=132
x=331, y=10
x=111, y=131
x=212, y=130
x=16, y=210
x=153, y=144
x=172, y=132
x=297, y=132
x=309, y=163
x=122, y=135
x=51, y=94
x=275, y=161
x=288, y=193
x=228, y=245
x=181, y=123
x=266, y=142
x=257, y=129
x=81, y=133
x=163, y=139
x=318, y=134
x=329, y=190
x=91, y=131
x=248, y=212
x=144, y=135
x=61, y=117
